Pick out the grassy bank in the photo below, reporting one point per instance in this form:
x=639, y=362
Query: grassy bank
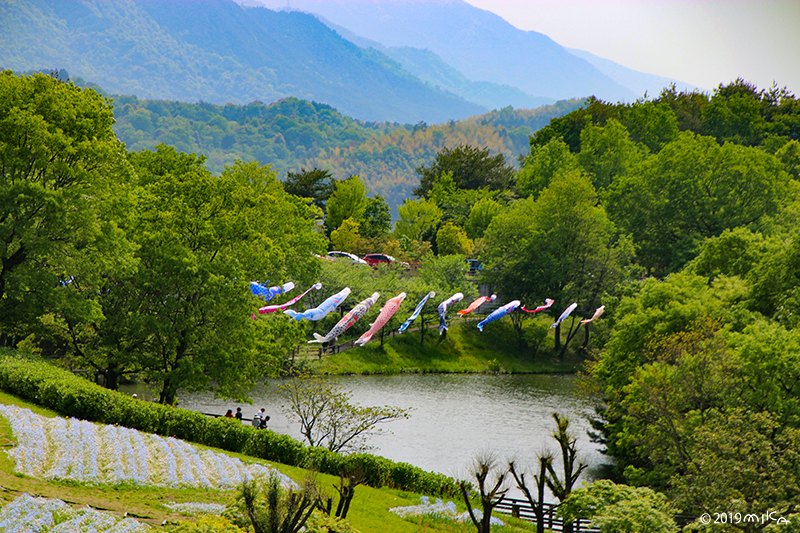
x=462, y=349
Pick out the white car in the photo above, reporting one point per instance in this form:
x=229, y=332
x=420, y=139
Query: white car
x=344, y=255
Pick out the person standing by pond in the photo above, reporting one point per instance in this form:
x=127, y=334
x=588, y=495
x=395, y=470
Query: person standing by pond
x=238, y=415
x=260, y=419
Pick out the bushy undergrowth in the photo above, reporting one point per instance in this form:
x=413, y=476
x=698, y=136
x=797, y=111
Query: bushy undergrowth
x=69, y=395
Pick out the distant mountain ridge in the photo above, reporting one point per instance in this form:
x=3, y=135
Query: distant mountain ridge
x=639, y=82
x=216, y=51
x=479, y=44
x=482, y=47
x=430, y=68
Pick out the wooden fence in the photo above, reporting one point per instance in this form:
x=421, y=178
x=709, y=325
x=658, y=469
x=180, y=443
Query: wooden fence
x=522, y=509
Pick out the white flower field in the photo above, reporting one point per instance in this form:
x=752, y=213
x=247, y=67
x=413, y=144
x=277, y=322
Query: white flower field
x=71, y=449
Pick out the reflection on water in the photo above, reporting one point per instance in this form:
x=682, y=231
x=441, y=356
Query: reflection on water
x=454, y=416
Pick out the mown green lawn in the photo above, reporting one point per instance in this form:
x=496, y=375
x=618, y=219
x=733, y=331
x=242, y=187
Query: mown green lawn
x=462, y=349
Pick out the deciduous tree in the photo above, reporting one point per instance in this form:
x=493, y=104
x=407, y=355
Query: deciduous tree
x=693, y=189
x=349, y=200
x=326, y=416
x=63, y=180
x=559, y=245
x=418, y=219
x=185, y=318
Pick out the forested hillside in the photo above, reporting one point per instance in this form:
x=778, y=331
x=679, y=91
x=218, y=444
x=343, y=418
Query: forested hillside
x=292, y=134
x=216, y=51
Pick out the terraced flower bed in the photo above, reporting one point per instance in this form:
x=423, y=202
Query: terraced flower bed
x=71, y=449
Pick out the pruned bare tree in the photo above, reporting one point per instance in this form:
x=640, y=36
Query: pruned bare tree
x=491, y=489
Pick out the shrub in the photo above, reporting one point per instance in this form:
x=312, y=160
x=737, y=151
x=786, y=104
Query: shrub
x=274, y=447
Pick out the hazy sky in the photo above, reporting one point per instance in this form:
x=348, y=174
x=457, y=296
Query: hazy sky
x=701, y=42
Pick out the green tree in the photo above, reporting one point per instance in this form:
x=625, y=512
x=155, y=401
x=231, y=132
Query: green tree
x=652, y=124
x=760, y=458
x=774, y=282
x=63, y=181
x=481, y=215
x=693, y=189
x=455, y=203
x=418, y=219
x=326, y=416
x=734, y=253
x=315, y=184
x=542, y=164
x=471, y=168
x=657, y=308
x=346, y=236
x=706, y=399
x=557, y=246
x=376, y=221
x=349, y=200
x=734, y=114
x=452, y=240
x=185, y=318
x=789, y=155
x=620, y=508
x=607, y=152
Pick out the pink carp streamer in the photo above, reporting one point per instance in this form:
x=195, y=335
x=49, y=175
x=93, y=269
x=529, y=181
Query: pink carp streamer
x=348, y=320
x=476, y=304
x=387, y=312
x=547, y=303
x=281, y=307
x=600, y=310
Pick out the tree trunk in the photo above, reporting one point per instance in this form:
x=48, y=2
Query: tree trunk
x=557, y=345
x=169, y=391
x=111, y=378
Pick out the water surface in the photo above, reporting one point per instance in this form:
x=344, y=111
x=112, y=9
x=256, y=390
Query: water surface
x=454, y=417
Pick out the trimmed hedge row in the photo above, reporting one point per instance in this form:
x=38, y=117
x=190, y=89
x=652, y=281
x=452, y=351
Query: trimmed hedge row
x=69, y=395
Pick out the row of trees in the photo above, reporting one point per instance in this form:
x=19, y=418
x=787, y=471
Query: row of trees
x=139, y=263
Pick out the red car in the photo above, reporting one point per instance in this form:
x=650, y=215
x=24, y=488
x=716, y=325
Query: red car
x=377, y=259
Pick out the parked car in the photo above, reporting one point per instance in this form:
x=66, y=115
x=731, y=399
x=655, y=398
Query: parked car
x=475, y=266
x=347, y=256
x=377, y=259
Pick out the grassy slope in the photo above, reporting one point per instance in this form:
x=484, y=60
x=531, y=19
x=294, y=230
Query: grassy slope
x=462, y=349
x=368, y=512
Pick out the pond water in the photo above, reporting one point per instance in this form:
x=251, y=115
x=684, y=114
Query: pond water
x=454, y=417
